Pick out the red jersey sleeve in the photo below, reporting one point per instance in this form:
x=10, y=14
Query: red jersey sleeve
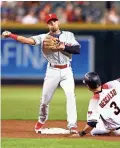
x=111, y=84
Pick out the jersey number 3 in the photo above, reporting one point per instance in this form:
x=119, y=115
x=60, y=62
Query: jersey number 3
x=113, y=104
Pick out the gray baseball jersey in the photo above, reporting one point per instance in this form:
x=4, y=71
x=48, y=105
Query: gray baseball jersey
x=57, y=57
x=56, y=76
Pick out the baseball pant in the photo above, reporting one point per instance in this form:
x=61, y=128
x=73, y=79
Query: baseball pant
x=52, y=79
x=100, y=129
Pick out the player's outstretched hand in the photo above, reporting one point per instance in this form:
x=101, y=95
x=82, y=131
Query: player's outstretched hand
x=6, y=34
x=79, y=134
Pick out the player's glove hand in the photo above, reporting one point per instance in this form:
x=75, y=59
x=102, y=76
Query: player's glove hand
x=61, y=46
x=52, y=43
x=6, y=34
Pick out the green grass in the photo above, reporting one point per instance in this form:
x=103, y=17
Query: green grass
x=57, y=143
x=23, y=103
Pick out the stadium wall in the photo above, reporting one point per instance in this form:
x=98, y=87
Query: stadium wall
x=100, y=51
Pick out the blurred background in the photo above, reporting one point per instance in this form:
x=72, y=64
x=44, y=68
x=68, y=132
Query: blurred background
x=33, y=12
x=95, y=25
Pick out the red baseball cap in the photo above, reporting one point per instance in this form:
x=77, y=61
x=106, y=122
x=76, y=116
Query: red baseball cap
x=51, y=17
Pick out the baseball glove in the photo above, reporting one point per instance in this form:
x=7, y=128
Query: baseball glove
x=51, y=43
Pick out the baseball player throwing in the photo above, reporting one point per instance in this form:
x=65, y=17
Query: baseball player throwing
x=103, y=114
x=57, y=47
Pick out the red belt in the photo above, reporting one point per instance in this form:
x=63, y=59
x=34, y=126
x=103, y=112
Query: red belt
x=59, y=66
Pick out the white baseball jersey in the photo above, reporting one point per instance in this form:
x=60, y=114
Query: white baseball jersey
x=57, y=58
x=106, y=105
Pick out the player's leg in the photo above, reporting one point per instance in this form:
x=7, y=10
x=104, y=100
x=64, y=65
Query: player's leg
x=51, y=82
x=100, y=129
x=67, y=83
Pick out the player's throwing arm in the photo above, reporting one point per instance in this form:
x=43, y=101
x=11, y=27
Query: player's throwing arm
x=22, y=39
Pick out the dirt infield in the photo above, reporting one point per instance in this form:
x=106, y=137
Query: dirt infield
x=25, y=129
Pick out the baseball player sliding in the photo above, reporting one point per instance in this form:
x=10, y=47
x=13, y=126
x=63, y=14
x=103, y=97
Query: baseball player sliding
x=57, y=47
x=103, y=114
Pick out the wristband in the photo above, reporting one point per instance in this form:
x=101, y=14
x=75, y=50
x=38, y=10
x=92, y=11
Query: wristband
x=82, y=133
x=13, y=36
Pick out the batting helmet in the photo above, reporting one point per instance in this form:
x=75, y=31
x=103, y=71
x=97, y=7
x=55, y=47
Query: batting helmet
x=92, y=80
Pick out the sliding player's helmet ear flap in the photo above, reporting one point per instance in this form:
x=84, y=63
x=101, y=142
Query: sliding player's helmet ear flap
x=92, y=80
